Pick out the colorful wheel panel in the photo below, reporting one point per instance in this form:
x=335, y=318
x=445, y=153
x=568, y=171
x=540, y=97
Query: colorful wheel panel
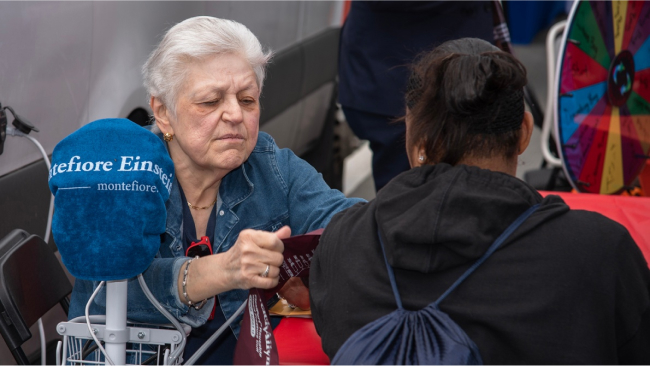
x=602, y=95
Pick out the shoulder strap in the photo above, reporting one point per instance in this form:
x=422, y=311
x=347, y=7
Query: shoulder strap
x=504, y=235
x=488, y=253
x=391, y=275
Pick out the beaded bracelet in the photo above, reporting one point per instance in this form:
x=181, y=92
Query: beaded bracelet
x=187, y=298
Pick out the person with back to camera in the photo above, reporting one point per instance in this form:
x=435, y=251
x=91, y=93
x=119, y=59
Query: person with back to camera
x=205, y=79
x=378, y=41
x=566, y=287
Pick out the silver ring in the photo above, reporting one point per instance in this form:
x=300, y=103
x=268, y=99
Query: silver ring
x=266, y=272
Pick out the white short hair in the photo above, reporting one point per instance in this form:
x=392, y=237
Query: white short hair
x=196, y=39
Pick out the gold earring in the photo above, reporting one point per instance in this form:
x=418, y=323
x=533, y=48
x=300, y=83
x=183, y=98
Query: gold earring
x=168, y=137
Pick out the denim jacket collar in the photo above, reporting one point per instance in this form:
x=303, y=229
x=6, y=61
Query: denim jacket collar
x=235, y=187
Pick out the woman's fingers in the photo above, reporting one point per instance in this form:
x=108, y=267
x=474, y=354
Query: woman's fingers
x=266, y=282
x=284, y=232
x=263, y=239
x=257, y=249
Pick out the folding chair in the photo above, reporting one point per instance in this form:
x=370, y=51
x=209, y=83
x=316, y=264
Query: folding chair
x=32, y=282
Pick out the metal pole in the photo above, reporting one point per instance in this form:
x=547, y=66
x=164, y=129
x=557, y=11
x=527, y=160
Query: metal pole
x=116, y=334
x=502, y=40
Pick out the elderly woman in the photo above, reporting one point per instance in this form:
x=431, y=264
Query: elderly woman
x=566, y=287
x=235, y=193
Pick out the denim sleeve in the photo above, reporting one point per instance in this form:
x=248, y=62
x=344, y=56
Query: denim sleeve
x=312, y=203
x=160, y=278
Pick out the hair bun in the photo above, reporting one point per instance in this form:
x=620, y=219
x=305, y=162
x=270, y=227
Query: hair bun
x=465, y=98
x=472, y=83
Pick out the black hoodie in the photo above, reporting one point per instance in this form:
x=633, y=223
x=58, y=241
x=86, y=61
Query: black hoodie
x=567, y=287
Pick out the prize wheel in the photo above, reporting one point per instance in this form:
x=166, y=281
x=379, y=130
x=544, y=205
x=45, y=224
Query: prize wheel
x=602, y=94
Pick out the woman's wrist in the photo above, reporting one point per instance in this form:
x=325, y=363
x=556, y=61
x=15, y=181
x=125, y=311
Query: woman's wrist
x=204, y=279
x=189, y=283
x=196, y=305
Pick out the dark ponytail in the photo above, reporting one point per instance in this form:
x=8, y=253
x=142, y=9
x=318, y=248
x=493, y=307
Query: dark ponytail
x=466, y=99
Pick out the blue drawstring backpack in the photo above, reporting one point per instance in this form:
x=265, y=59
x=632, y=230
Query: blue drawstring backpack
x=427, y=336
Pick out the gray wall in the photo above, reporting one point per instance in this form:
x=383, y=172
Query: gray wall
x=64, y=64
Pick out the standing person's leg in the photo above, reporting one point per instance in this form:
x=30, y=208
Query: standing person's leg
x=386, y=142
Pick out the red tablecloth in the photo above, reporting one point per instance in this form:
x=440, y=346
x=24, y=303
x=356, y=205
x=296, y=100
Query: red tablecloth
x=631, y=212
x=299, y=344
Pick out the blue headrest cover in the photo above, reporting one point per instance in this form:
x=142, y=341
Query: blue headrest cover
x=110, y=180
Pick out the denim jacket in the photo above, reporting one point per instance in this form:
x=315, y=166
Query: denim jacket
x=271, y=189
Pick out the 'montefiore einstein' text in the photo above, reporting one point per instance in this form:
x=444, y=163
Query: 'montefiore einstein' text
x=127, y=164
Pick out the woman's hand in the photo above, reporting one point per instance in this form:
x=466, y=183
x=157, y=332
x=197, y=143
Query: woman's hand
x=253, y=251
x=241, y=267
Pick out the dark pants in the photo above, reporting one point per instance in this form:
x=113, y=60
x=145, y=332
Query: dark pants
x=386, y=142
